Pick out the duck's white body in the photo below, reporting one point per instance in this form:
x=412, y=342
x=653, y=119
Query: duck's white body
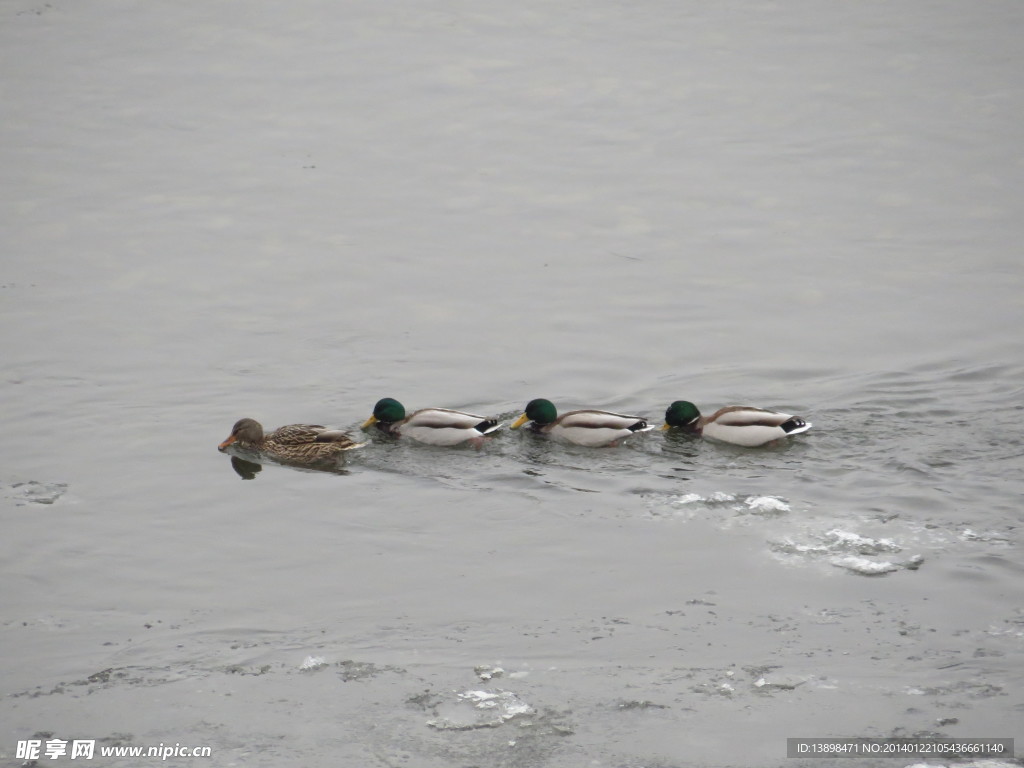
x=593, y=429
x=749, y=427
x=442, y=426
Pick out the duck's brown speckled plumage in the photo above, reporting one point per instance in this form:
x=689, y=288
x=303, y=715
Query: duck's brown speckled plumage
x=291, y=444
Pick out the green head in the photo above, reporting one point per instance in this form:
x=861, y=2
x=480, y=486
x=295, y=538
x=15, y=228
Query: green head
x=386, y=411
x=681, y=413
x=541, y=411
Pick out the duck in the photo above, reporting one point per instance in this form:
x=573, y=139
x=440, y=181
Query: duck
x=433, y=426
x=737, y=424
x=291, y=444
x=591, y=428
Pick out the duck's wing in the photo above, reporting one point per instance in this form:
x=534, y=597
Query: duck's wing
x=443, y=426
x=445, y=418
x=592, y=419
x=296, y=434
x=338, y=437
x=747, y=416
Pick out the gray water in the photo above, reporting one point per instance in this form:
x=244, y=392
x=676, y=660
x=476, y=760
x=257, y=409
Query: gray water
x=289, y=210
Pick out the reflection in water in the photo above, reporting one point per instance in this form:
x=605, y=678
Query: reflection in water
x=247, y=470
x=681, y=443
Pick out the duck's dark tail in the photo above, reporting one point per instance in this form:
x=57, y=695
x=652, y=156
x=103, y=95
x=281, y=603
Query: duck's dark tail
x=795, y=426
x=641, y=426
x=487, y=426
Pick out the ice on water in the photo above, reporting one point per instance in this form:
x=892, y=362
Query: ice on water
x=35, y=492
x=838, y=541
x=796, y=538
x=754, y=504
x=766, y=504
x=478, y=709
x=851, y=551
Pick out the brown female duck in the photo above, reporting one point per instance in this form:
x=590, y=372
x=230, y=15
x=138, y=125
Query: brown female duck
x=292, y=444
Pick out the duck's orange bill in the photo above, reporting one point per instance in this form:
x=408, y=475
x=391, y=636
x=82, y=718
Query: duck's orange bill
x=227, y=442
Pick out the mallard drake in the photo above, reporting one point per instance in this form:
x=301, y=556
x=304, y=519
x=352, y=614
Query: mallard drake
x=736, y=424
x=586, y=427
x=433, y=426
x=292, y=444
